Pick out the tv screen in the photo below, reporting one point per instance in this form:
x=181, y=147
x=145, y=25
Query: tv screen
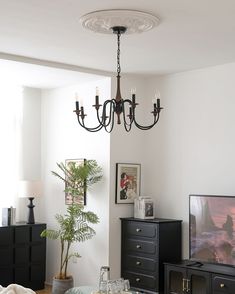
x=211, y=229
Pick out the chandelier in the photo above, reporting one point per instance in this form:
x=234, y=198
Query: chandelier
x=119, y=109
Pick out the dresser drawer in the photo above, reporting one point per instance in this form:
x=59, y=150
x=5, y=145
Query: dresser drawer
x=141, y=281
x=139, y=263
x=223, y=284
x=141, y=229
x=6, y=236
x=148, y=247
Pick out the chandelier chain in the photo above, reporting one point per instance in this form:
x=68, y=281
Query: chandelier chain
x=118, y=53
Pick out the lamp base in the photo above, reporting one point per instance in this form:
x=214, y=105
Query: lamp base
x=30, y=219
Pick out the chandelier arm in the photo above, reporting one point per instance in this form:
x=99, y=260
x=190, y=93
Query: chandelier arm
x=98, y=118
x=90, y=129
x=131, y=112
x=145, y=128
x=95, y=129
x=112, y=122
x=104, y=117
x=127, y=125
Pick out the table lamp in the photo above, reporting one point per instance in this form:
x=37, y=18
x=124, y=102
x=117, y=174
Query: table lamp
x=30, y=189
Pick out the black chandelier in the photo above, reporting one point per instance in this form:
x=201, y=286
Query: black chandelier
x=117, y=107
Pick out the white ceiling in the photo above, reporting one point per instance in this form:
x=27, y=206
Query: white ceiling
x=192, y=34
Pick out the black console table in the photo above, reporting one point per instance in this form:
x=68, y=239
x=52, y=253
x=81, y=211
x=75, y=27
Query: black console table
x=22, y=255
x=196, y=278
x=146, y=244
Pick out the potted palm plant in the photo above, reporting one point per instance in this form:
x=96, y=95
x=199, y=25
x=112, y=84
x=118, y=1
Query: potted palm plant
x=74, y=225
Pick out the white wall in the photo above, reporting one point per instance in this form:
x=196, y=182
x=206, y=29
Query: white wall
x=30, y=157
x=192, y=149
x=63, y=138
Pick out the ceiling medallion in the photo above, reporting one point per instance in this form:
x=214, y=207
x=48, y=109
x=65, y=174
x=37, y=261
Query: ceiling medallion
x=123, y=111
x=134, y=21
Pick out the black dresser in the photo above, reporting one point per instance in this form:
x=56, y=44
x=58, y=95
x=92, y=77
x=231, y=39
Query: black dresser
x=22, y=255
x=146, y=245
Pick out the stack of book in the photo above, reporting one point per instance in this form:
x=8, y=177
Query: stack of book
x=8, y=216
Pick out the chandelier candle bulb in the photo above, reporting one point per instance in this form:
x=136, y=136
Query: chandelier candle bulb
x=133, y=91
x=97, y=98
x=157, y=95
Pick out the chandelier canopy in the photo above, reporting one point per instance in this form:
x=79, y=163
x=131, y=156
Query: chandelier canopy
x=123, y=110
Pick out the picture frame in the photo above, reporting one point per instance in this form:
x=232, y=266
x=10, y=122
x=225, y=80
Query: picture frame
x=127, y=182
x=81, y=199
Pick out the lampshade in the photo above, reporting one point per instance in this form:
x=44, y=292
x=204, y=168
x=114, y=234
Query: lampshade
x=29, y=189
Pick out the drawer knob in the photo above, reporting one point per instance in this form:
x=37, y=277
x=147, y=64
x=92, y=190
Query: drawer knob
x=222, y=285
x=138, y=230
x=138, y=263
x=138, y=246
x=137, y=280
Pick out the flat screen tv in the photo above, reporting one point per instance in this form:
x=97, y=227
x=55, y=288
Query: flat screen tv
x=212, y=229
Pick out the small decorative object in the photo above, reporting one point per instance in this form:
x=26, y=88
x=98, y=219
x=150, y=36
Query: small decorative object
x=70, y=164
x=75, y=225
x=118, y=286
x=8, y=216
x=127, y=182
x=104, y=278
x=30, y=189
x=144, y=207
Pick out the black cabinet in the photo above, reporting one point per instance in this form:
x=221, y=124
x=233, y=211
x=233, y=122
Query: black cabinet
x=195, y=278
x=182, y=280
x=146, y=244
x=22, y=255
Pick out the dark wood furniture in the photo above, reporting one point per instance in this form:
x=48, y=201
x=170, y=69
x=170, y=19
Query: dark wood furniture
x=22, y=255
x=146, y=244
x=195, y=278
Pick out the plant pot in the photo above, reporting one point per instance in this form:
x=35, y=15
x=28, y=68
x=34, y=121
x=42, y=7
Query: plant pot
x=60, y=286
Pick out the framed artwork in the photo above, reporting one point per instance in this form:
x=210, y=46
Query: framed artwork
x=127, y=182
x=80, y=199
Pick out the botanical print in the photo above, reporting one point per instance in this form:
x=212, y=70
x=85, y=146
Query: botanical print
x=127, y=182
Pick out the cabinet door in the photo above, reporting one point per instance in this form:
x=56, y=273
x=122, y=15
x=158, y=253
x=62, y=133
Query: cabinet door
x=36, y=231
x=223, y=284
x=198, y=282
x=6, y=276
x=175, y=280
